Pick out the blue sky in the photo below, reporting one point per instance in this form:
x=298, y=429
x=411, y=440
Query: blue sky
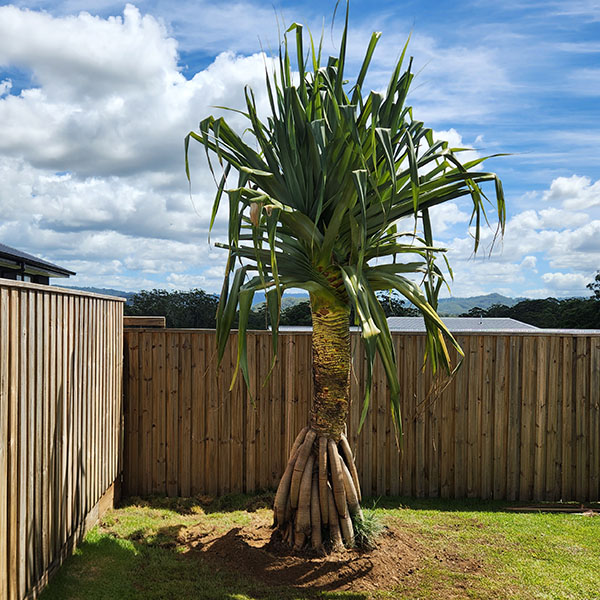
x=96, y=97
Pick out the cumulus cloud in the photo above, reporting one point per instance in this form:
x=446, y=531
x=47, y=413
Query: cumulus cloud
x=466, y=152
x=481, y=275
x=566, y=282
x=186, y=281
x=64, y=202
x=83, y=56
x=91, y=156
x=444, y=216
x=556, y=218
x=452, y=81
x=529, y=262
x=573, y=193
x=560, y=243
x=91, y=152
x=107, y=95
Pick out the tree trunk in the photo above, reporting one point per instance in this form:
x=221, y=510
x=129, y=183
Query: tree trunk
x=319, y=492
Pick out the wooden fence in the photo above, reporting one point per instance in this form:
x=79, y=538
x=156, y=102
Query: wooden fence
x=60, y=418
x=521, y=420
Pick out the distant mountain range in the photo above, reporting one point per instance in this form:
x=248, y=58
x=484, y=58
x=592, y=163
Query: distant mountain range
x=286, y=301
x=104, y=291
x=451, y=307
x=448, y=307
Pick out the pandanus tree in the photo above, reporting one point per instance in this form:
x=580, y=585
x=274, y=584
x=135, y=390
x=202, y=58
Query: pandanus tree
x=325, y=184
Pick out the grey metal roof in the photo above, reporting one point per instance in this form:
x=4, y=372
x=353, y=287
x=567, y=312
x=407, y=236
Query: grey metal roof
x=456, y=324
x=304, y=328
x=487, y=325
x=18, y=256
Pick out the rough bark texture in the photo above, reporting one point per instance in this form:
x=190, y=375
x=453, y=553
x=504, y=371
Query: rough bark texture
x=319, y=489
x=331, y=368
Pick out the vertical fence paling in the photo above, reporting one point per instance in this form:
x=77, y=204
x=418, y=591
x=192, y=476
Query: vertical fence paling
x=59, y=431
x=521, y=420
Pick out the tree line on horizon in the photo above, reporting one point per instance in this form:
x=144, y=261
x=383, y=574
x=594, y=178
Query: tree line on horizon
x=197, y=309
x=551, y=313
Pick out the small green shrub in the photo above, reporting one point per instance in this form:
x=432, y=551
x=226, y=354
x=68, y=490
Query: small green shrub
x=367, y=529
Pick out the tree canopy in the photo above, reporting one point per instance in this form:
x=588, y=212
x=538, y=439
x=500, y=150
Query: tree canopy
x=594, y=286
x=333, y=195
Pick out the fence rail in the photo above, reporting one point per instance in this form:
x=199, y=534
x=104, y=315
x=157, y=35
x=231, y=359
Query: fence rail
x=521, y=420
x=60, y=417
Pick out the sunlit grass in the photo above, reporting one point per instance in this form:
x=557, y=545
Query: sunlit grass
x=136, y=553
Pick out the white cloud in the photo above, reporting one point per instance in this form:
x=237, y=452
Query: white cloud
x=555, y=218
x=538, y=293
x=574, y=193
x=183, y=281
x=91, y=152
x=565, y=281
x=110, y=99
x=455, y=141
x=91, y=160
x=529, y=262
x=240, y=26
x=452, y=81
x=559, y=244
x=445, y=216
x=481, y=275
x=83, y=56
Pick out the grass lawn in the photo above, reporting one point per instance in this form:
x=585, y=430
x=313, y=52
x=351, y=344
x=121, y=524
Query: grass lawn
x=459, y=549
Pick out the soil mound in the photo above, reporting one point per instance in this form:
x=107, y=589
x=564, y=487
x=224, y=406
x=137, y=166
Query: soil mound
x=258, y=552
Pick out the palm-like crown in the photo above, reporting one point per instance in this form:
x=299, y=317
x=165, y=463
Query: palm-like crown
x=319, y=202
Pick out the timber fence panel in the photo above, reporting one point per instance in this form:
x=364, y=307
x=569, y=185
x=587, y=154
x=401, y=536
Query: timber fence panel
x=595, y=419
x=519, y=421
x=49, y=349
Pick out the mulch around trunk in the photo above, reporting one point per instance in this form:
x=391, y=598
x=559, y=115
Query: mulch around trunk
x=258, y=552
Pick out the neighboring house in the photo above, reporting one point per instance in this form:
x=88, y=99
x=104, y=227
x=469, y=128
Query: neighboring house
x=21, y=266
x=461, y=324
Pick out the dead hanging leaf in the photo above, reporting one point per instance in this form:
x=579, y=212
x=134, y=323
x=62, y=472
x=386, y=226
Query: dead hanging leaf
x=254, y=213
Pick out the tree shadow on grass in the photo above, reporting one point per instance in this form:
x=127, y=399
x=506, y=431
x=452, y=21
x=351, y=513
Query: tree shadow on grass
x=275, y=564
x=165, y=537
x=154, y=567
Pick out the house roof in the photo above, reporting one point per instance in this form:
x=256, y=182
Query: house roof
x=303, y=328
x=458, y=324
x=15, y=259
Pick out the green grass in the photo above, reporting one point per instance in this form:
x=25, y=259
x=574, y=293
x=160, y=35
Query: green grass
x=135, y=553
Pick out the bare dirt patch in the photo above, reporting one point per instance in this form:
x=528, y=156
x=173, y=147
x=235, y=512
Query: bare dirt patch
x=257, y=551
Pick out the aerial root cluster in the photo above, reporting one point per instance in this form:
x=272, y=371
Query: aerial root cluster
x=319, y=493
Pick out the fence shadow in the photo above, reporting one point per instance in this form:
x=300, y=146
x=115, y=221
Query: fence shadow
x=204, y=504
x=473, y=504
